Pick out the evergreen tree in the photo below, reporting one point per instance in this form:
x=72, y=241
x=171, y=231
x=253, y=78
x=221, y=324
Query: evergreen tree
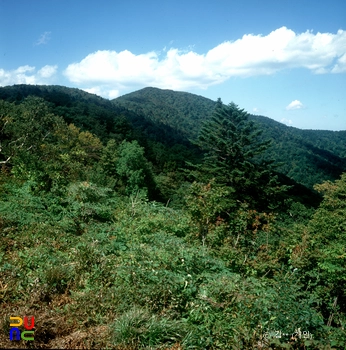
x=232, y=146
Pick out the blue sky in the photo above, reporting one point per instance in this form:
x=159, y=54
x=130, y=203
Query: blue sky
x=278, y=58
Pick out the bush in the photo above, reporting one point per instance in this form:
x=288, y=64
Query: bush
x=141, y=329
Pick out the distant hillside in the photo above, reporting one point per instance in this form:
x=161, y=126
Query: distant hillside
x=182, y=111
x=87, y=111
x=308, y=156
x=164, y=145
x=57, y=94
x=162, y=119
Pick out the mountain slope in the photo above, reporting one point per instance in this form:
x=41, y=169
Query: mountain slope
x=308, y=156
x=92, y=229
x=162, y=119
x=182, y=111
x=87, y=111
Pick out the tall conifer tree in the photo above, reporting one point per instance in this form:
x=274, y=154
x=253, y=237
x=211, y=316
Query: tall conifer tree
x=232, y=145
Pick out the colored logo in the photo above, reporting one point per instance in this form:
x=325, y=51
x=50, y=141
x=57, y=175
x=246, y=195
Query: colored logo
x=16, y=333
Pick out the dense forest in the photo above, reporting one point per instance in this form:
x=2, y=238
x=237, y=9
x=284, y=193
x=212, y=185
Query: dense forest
x=165, y=220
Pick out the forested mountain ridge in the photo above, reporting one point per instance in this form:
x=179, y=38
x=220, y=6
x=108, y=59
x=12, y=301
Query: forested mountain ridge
x=171, y=118
x=117, y=232
x=183, y=111
x=308, y=156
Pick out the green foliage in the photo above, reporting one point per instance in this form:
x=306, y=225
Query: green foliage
x=41, y=148
x=25, y=130
x=328, y=231
x=139, y=328
x=109, y=158
x=307, y=156
x=133, y=168
x=231, y=144
x=179, y=110
x=217, y=264
x=205, y=204
x=171, y=118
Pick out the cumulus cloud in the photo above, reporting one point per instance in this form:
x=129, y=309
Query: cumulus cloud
x=43, y=39
x=286, y=121
x=103, y=92
x=294, y=105
x=47, y=71
x=340, y=66
x=177, y=69
x=27, y=75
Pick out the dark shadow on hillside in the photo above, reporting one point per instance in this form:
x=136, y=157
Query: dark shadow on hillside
x=327, y=162
x=300, y=193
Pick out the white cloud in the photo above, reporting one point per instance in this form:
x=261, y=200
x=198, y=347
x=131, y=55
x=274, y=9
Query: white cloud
x=27, y=75
x=294, y=105
x=103, y=92
x=181, y=69
x=340, y=66
x=43, y=39
x=286, y=121
x=47, y=71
